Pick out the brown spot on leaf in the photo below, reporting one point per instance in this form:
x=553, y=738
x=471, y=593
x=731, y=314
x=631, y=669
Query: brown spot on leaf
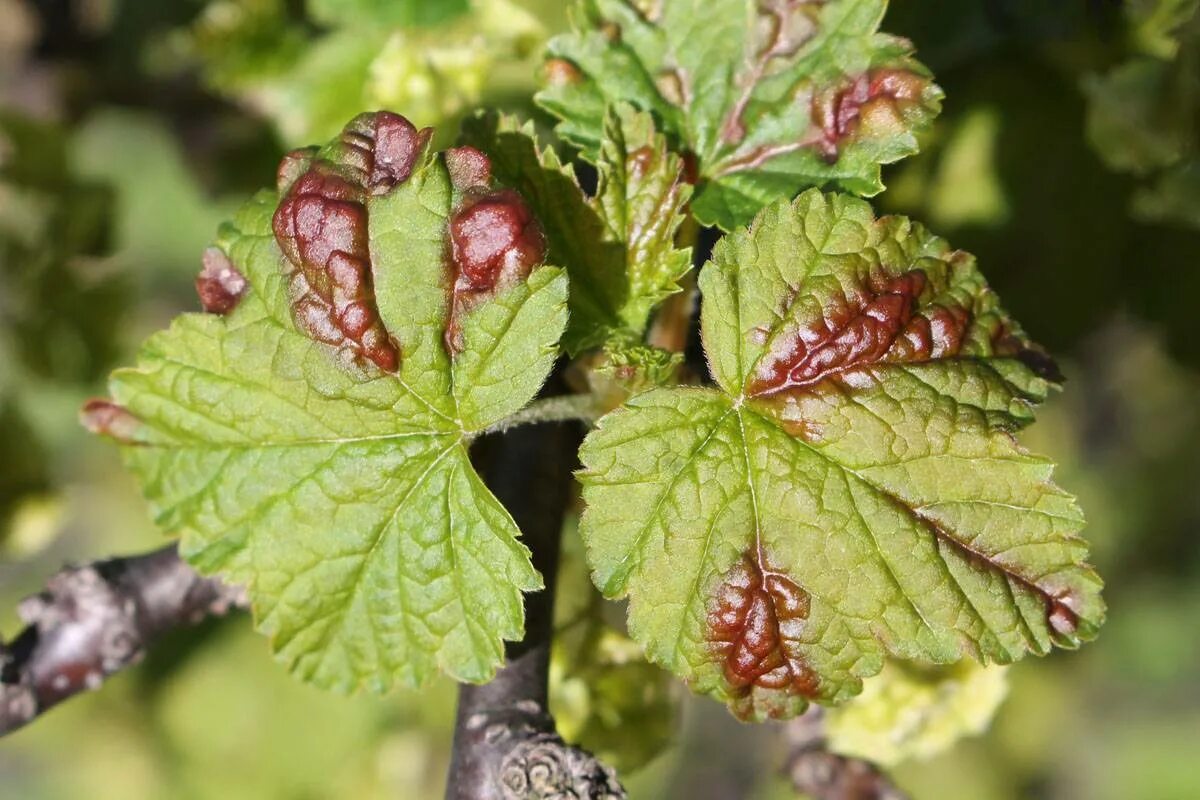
x=220, y=285
x=560, y=72
x=468, y=168
x=755, y=618
x=495, y=242
x=879, y=323
x=691, y=167
x=879, y=97
x=321, y=227
x=641, y=161
x=672, y=84
x=780, y=29
x=106, y=418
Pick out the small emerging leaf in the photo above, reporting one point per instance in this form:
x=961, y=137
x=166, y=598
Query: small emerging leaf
x=333, y=481
x=767, y=97
x=853, y=488
x=916, y=711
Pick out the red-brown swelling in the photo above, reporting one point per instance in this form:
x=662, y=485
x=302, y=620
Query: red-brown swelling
x=884, y=322
x=220, y=285
x=876, y=99
x=878, y=323
x=753, y=620
x=495, y=242
x=321, y=227
x=106, y=418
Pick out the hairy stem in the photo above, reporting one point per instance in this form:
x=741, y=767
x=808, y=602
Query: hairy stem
x=95, y=620
x=505, y=745
x=562, y=408
x=824, y=775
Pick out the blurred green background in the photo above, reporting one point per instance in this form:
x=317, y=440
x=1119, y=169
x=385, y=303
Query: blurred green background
x=1067, y=159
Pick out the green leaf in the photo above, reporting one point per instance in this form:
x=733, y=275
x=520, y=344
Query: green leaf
x=431, y=61
x=618, y=247
x=1132, y=120
x=768, y=98
x=1141, y=113
x=385, y=13
x=343, y=496
x=916, y=711
x=852, y=488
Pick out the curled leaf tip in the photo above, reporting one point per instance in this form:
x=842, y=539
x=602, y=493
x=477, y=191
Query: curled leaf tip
x=106, y=418
x=220, y=285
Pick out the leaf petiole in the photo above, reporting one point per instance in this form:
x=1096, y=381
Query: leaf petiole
x=582, y=407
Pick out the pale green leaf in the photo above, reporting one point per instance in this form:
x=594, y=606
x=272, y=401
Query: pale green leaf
x=853, y=488
x=768, y=98
x=916, y=711
x=385, y=13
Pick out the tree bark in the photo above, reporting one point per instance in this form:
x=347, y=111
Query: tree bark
x=95, y=620
x=505, y=744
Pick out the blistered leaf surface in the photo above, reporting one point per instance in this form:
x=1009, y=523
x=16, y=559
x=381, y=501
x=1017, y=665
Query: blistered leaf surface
x=334, y=483
x=619, y=246
x=852, y=488
x=766, y=97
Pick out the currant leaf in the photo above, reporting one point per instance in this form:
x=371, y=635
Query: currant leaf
x=619, y=247
x=332, y=482
x=767, y=97
x=852, y=488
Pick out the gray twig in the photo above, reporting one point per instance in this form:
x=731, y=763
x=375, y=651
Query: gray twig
x=505, y=744
x=94, y=620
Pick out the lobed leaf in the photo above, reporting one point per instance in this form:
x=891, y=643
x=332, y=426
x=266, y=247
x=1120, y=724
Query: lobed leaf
x=339, y=489
x=768, y=98
x=852, y=488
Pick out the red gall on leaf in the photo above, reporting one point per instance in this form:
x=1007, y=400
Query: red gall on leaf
x=495, y=242
x=884, y=322
x=873, y=104
x=753, y=620
x=292, y=166
x=321, y=227
x=220, y=285
x=106, y=418
x=877, y=324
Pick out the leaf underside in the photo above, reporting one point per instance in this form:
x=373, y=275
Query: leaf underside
x=852, y=487
x=340, y=494
x=768, y=98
